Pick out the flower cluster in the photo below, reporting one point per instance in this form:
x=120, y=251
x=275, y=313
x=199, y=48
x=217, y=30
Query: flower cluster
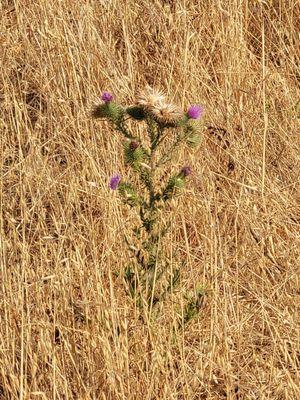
x=150, y=104
x=147, y=156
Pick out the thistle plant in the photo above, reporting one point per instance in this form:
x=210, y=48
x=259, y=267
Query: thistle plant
x=151, y=276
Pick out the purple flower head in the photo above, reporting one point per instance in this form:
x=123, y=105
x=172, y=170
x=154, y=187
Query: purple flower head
x=114, y=181
x=134, y=145
x=186, y=171
x=106, y=97
x=195, y=111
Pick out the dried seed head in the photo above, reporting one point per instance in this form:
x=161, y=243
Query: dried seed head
x=149, y=98
x=134, y=145
x=154, y=103
x=167, y=114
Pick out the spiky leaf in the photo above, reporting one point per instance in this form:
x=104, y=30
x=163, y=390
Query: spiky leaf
x=194, y=140
x=134, y=156
x=175, y=182
x=193, y=126
x=128, y=193
x=136, y=112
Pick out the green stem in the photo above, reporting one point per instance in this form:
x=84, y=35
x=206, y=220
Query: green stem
x=166, y=157
x=121, y=128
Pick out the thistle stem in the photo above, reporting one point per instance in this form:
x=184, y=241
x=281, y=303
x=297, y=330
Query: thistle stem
x=169, y=153
x=121, y=128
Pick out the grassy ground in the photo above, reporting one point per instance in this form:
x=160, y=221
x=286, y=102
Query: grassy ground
x=68, y=330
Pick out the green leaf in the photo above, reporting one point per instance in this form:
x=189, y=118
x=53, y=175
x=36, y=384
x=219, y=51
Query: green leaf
x=193, y=127
x=134, y=156
x=194, y=140
x=175, y=183
x=136, y=112
x=128, y=193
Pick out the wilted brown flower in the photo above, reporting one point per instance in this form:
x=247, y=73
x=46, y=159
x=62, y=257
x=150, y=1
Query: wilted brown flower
x=154, y=102
x=149, y=98
x=167, y=114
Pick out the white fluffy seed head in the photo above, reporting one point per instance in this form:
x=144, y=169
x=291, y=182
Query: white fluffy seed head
x=154, y=102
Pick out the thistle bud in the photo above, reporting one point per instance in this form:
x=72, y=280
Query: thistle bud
x=134, y=145
x=109, y=110
x=114, y=181
x=106, y=97
x=195, y=111
x=186, y=171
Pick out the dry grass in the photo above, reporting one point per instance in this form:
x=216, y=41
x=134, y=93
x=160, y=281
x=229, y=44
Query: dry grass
x=68, y=331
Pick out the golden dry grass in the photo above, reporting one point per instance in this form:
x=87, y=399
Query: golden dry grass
x=68, y=330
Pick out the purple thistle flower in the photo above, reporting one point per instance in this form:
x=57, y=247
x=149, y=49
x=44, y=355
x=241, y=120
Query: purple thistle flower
x=195, y=111
x=185, y=171
x=106, y=97
x=114, y=181
x=134, y=145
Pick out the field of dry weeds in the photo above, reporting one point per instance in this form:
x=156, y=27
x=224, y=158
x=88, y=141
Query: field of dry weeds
x=67, y=328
